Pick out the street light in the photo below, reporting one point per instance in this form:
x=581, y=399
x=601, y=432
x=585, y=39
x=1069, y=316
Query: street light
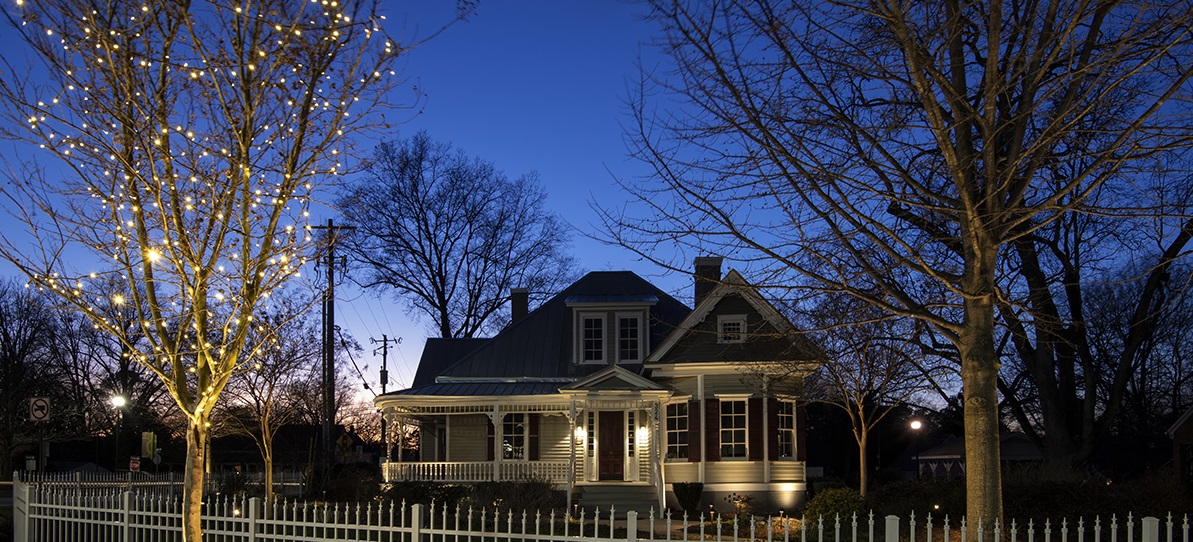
x=118, y=402
x=916, y=425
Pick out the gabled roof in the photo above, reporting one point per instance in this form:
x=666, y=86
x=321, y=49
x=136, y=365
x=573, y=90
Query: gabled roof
x=735, y=285
x=540, y=344
x=439, y=354
x=612, y=378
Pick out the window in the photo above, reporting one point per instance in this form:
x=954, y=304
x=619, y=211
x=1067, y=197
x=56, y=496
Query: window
x=513, y=436
x=592, y=436
x=592, y=339
x=733, y=429
x=628, y=339
x=731, y=328
x=786, y=428
x=677, y=431
x=631, y=432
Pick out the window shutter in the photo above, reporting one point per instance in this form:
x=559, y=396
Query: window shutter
x=694, y=439
x=772, y=428
x=532, y=440
x=712, y=433
x=492, y=440
x=756, y=431
x=801, y=432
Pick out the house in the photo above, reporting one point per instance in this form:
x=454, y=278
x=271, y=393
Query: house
x=615, y=391
x=947, y=461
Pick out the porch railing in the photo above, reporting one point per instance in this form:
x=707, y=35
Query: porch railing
x=468, y=471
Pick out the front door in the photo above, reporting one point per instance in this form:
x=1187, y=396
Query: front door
x=611, y=443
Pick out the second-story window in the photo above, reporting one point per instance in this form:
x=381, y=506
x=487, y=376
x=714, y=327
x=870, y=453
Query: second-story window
x=629, y=341
x=592, y=346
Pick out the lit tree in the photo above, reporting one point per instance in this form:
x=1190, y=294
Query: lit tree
x=189, y=138
x=897, y=152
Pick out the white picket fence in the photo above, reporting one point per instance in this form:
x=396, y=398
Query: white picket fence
x=54, y=513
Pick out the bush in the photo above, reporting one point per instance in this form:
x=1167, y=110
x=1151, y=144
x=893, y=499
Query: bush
x=689, y=494
x=426, y=493
x=832, y=502
x=936, y=497
x=356, y=482
x=534, y=493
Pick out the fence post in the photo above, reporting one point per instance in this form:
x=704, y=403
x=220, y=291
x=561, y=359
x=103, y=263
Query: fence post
x=252, y=516
x=1151, y=529
x=126, y=534
x=416, y=523
x=631, y=526
x=892, y=528
x=20, y=509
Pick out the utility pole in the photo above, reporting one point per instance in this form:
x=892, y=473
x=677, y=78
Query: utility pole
x=385, y=340
x=329, y=345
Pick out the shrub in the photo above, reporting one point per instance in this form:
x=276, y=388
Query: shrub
x=688, y=495
x=533, y=493
x=355, y=482
x=426, y=493
x=832, y=502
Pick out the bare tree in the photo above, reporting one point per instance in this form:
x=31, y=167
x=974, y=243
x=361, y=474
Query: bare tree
x=895, y=152
x=26, y=333
x=452, y=234
x=188, y=140
x=874, y=365
x=259, y=403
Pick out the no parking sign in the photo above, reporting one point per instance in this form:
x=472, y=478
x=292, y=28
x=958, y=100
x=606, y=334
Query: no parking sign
x=39, y=409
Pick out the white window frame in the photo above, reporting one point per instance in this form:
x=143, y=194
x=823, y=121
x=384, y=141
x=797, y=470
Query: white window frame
x=582, y=319
x=788, y=432
x=744, y=430
x=731, y=319
x=641, y=338
x=668, y=415
x=508, y=450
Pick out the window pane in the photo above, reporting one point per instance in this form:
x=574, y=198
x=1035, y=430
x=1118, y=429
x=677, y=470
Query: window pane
x=733, y=429
x=627, y=338
x=594, y=339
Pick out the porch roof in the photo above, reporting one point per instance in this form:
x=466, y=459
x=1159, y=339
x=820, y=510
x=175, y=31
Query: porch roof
x=482, y=388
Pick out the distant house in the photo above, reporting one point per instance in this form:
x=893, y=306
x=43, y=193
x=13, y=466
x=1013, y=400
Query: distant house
x=1181, y=433
x=947, y=461
x=615, y=391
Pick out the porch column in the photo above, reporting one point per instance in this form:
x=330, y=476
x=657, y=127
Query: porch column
x=495, y=419
x=766, y=430
x=656, y=455
x=571, y=451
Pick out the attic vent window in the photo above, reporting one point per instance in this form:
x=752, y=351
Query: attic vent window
x=731, y=328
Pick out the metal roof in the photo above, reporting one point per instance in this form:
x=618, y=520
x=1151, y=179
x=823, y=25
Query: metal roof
x=482, y=388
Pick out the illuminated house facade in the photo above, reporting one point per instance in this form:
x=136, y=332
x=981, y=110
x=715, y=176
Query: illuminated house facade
x=615, y=391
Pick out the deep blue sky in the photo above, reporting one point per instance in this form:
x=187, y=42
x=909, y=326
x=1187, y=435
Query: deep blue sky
x=531, y=86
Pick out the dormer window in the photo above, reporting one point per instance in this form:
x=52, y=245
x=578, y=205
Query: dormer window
x=731, y=328
x=629, y=338
x=607, y=333
x=592, y=343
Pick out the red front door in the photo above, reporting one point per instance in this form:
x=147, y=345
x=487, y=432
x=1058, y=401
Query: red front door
x=611, y=444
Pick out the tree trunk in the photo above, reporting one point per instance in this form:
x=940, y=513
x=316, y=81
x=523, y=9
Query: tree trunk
x=192, y=496
x=862, y=465
x=979, y=374
x=267, y=455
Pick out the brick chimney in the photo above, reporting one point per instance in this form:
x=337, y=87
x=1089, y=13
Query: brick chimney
x=519, y=303
x=708, y=275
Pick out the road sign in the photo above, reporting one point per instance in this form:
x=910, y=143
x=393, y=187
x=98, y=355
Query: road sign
x=134, y=465
x=39, y=409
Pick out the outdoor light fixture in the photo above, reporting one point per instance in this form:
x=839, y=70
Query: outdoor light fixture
x=916, y=425
x=118, y=401
x=581, y=433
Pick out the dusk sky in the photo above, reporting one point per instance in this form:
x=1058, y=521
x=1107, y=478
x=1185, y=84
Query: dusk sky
x=531, y=86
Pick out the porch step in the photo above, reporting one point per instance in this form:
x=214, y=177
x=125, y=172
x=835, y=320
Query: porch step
x=622, y=498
